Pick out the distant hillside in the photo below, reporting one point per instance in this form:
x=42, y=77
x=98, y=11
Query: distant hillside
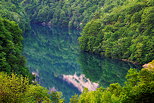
x=68, y=13
x=12, y=10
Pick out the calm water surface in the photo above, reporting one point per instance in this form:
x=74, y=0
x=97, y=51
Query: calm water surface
x=54, y=54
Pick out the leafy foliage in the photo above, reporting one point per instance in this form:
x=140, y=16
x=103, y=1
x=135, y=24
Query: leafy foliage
x=11, y=59
x=16, y=89
x=69, y=13
x=119, y=29
x=12, y=10
x=123, y=32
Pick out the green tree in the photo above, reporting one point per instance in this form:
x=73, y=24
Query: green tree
x=11, y=58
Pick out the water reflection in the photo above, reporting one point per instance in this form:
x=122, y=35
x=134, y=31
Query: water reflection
x=104, y=70
x=53, y=53
x=81, y=82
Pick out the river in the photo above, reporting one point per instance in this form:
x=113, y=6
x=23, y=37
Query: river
x=53, y=54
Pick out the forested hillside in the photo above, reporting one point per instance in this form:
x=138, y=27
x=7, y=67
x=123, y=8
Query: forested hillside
x=16, y=89
x=16, y=85
x=11, y=59
x=68, y=13
x=12, y=10
x=117, y=29
x=123, y=32
x=121, y=29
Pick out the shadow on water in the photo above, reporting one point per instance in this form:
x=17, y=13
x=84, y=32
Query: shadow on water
x=54, y=53
x=104, y=70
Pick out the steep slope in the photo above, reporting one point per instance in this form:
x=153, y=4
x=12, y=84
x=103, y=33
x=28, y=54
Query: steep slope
x=11, y=59
x=68, y=13
x=12, y=10
x=124, y=32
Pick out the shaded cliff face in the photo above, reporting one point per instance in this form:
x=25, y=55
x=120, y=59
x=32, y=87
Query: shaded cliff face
x=81, y=82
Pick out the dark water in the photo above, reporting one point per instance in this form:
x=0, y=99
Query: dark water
x=54, y=52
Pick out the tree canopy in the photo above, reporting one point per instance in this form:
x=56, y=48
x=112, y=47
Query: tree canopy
x=11, y=59
x=122, y=32
x=121, y=29
x=16, y=89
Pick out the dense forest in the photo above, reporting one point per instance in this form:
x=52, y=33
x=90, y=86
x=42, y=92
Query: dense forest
x=121, y=29
x=12, y=10
x=115, y=28
x=11, y=49
x=17, y=89
x=16, y=85
x=124, y=32
x=69, y=13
